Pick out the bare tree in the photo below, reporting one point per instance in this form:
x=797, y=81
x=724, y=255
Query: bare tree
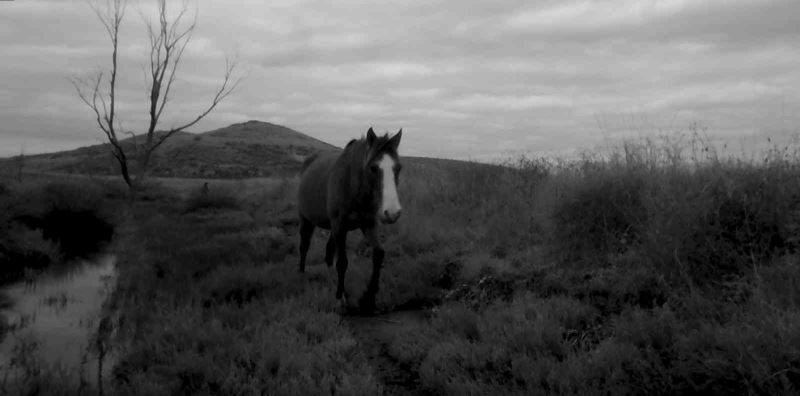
x=168, y=39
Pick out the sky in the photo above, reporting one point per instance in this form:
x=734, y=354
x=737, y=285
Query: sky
x=465, y=79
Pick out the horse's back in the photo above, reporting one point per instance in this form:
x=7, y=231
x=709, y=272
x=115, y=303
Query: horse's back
x=312, y=200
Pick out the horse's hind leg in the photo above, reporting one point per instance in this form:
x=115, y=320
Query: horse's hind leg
x=306, y=230
x=339, y=234
x=330, y=250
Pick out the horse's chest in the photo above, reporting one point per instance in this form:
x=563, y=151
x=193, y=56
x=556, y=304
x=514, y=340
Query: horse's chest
x=358, y=219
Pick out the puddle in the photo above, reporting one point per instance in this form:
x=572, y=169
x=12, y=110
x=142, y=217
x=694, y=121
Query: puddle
x=56, y=314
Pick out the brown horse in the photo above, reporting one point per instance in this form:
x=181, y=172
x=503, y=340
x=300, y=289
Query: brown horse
x=356, y=188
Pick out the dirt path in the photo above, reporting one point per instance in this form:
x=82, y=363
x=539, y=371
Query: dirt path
x=374, y=333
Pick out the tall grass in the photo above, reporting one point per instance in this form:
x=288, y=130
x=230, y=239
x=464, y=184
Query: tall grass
x=656, y=267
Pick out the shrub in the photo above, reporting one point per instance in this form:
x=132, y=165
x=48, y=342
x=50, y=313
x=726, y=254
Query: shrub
x=43, y=224
x=747, y=225
x=602, y=215
x=22, y=248
x=718, y=222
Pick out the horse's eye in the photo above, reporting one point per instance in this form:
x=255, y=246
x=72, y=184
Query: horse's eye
x=374, y=168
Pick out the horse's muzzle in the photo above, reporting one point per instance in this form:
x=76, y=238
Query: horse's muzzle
x=390, y=218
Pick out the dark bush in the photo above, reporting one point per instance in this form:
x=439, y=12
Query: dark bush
x=79, y=233
x=602, y=214
x=22, y=248
x=746, y=225
x=76, y=216
x=48, y=223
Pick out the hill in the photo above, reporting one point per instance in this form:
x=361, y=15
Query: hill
x=248, y=149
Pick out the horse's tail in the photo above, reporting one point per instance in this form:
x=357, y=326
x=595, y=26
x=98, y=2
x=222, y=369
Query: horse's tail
x=308, y=162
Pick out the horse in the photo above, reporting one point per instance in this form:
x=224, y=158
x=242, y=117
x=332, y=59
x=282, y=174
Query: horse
x=341, y=192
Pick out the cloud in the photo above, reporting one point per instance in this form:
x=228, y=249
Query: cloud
x=466, y=79
x=587, y=16
x=477, y=102
x=422, y=93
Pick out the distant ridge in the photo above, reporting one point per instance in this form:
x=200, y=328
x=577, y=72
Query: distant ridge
x=247, y=149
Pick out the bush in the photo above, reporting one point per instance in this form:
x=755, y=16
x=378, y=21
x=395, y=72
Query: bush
x=602, y=214
x=22, y=248
x=745, y=226
x=700, y=224
x=44, y=224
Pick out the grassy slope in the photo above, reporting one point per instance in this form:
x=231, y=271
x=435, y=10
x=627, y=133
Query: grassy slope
x=249, y=149
x=651, y=272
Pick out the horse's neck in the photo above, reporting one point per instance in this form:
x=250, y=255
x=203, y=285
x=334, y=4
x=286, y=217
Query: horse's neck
x=348, y=173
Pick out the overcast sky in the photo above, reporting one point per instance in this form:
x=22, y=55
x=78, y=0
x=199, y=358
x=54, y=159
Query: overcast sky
x=463, y=78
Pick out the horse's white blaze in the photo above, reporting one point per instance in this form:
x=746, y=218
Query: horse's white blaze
x=390, y=203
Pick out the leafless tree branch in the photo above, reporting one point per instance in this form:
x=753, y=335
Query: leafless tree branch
x=169, y=43
x=168, y=38
x=226, y=88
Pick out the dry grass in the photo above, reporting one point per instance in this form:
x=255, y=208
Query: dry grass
x=662, y=269
x=656, y=268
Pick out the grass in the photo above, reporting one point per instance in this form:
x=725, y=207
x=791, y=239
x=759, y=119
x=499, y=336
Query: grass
x=211, y=303
x=657, y=274
x=655, y=268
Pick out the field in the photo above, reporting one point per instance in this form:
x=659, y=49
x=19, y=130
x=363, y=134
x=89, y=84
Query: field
x=657, y=268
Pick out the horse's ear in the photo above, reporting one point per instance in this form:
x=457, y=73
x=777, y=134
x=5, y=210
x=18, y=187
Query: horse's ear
x=371, y=136
x=394, y=142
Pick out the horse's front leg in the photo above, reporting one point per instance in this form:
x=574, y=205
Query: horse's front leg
x=368, y=299
x=340, y=238
x=306, y=230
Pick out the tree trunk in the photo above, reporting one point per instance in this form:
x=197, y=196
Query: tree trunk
x=144, y=164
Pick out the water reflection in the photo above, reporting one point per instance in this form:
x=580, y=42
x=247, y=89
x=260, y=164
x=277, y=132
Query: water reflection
x=56, y=313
